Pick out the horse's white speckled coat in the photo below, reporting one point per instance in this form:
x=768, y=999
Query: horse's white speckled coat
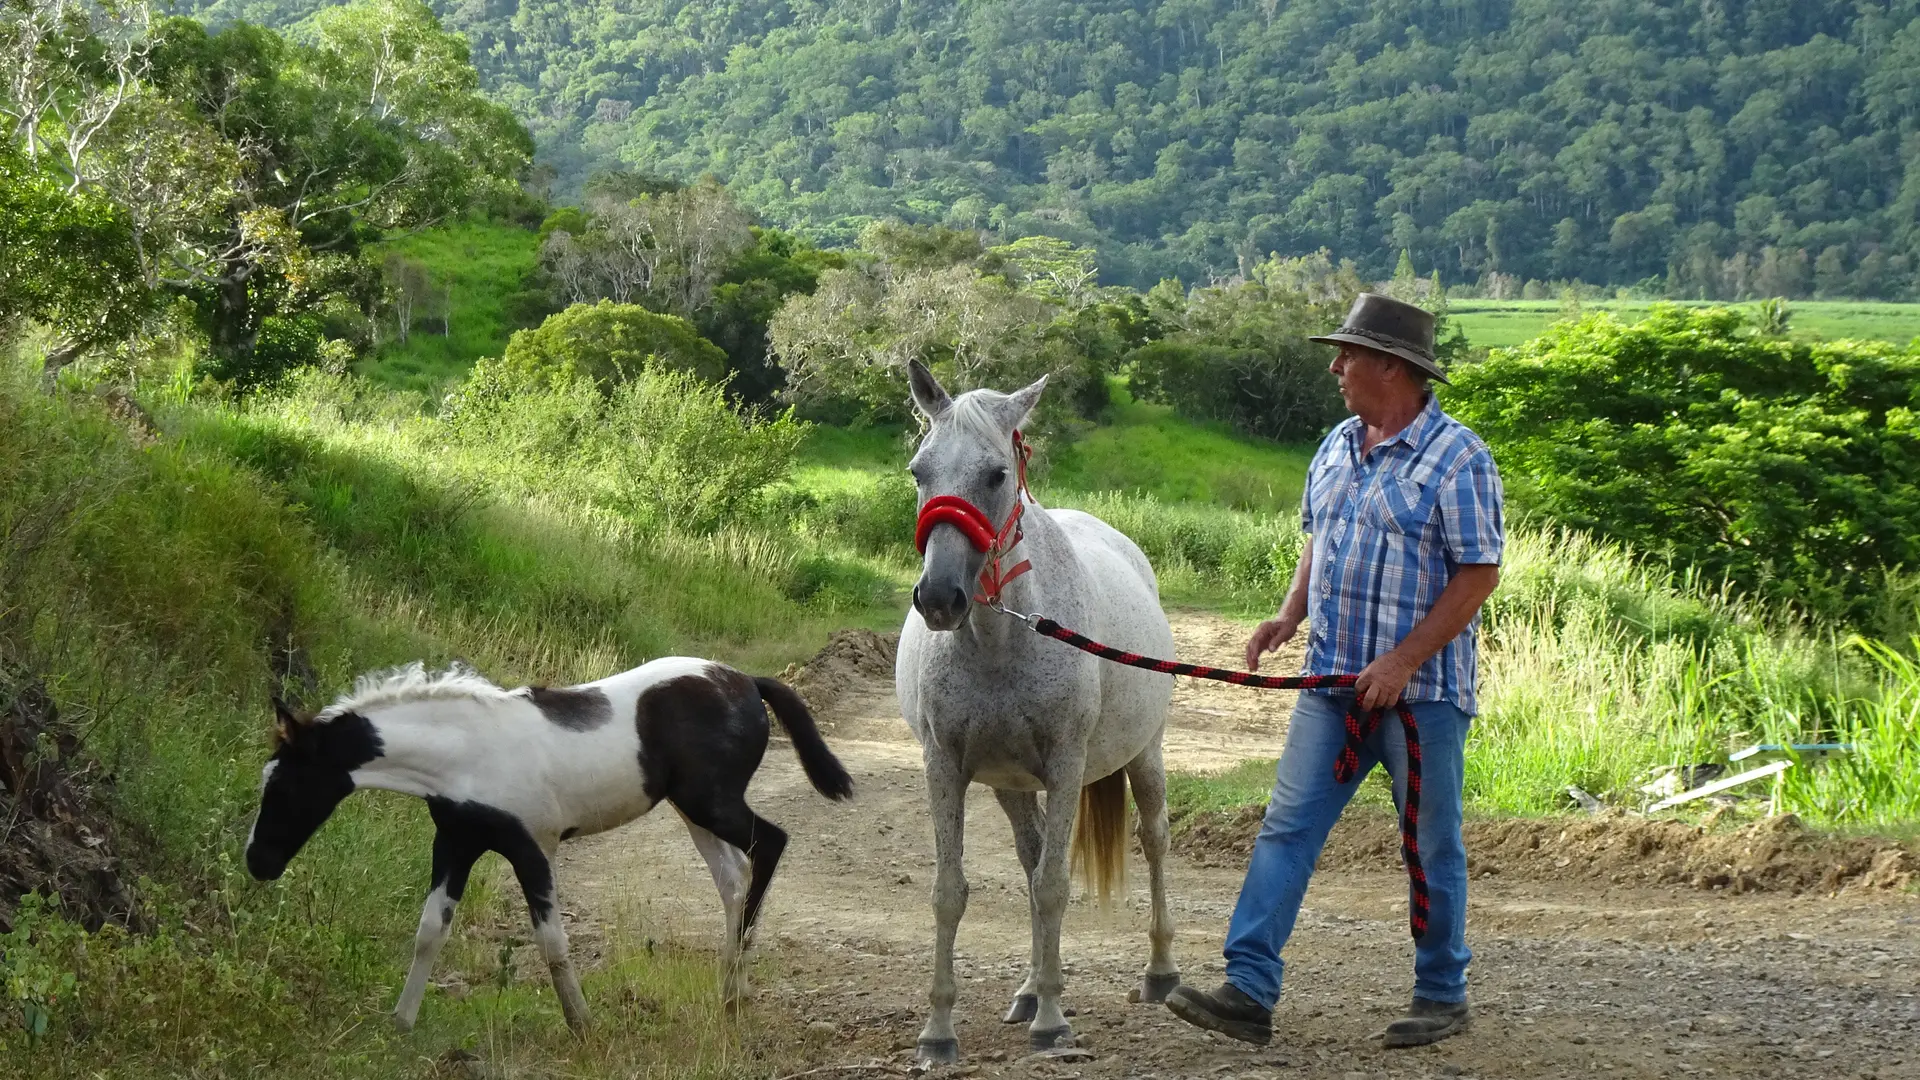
x=992, y=702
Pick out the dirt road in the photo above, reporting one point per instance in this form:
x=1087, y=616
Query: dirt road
x=1572, y=976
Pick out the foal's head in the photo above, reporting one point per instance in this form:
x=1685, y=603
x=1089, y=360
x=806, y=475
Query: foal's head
x=310, y=772
x=968, y=452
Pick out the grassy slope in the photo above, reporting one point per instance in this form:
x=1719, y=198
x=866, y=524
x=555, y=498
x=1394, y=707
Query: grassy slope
x=1501, y=323
x=168, y=569
x=482, y=265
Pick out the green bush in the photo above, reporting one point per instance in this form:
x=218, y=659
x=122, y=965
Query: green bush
x=664, y=447
x=1790, y=469
x=605, y=343
x=1241, y=356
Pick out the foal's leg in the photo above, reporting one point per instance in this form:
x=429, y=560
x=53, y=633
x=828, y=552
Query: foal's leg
x=729, y=867
x=1023, y=813
x=1052, y=888
x=453, y=858
x=533, y=865
x=947, y=805
x=1149, y=779
x=733, y=824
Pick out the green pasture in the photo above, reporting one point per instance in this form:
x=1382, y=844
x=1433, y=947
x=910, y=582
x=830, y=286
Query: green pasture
x=1493, y=324
x=481, y=267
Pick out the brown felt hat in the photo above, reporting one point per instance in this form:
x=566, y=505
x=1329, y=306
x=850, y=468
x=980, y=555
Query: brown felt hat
x=1391, y=326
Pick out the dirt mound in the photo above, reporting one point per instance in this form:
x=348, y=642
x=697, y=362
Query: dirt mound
x=851, y=661
x=55, y=834
x=1775, y=855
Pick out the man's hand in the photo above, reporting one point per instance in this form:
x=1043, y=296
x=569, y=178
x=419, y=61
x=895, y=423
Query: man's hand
x=1382, y=682
x=1269, y=636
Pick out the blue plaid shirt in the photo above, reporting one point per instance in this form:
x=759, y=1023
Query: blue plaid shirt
x=1388, y=530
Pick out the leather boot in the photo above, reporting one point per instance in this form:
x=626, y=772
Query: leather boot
x=1426, y=1022
x=1226, y=1010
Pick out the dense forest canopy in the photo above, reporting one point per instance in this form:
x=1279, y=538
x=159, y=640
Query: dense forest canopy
x=1765, y=147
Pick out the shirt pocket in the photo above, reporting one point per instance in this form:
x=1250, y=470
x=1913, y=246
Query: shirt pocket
x=1402, y=506
x=1327, y=493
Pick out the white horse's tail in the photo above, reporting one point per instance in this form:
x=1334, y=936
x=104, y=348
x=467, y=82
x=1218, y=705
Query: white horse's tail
x=1100, y=837
x=828, y=776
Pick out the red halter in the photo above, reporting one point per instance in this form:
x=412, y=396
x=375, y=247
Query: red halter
x=978, y=528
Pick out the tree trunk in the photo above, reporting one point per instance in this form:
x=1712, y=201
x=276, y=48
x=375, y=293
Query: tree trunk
x=66, y=352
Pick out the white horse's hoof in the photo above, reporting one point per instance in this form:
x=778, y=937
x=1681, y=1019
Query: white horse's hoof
x=1022, y=1010
x=1155, y=988
x=1052, y=1038
x=938, y=1052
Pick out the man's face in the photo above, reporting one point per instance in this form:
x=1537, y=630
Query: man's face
x=1368, y=378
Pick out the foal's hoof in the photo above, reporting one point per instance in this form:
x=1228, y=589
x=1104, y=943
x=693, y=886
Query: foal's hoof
x=1052, y=1038
x=938, y=1051
x=1155, y=988
x=1022, y=1010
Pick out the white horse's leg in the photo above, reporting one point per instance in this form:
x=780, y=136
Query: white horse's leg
x=1023, y=813
x=728, y=865
x=1052, y=888
x=452, y=862
x=1148, y=776
x=947, y=804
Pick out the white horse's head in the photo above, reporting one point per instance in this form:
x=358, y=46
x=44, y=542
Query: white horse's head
x=968, y=454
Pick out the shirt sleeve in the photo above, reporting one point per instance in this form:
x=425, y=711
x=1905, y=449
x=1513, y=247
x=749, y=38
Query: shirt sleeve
x=1473, y=512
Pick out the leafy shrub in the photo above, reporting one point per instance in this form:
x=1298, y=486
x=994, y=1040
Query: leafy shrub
x=604, y=343
x=664, y=447
x=1241, y=356
x=1791, y=469
x=678, y=448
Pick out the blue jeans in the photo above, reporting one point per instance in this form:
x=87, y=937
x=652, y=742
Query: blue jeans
x=1305, y=804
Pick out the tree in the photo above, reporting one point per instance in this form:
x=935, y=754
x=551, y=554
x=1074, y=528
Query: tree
x=937, y=296
x=1790, y=468
x=668, y=249
x=1192, y=138
x=67, y=259
x=370, y=121
x=1240, y=355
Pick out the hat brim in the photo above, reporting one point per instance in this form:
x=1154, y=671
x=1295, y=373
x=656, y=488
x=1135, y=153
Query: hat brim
x=1424, y=363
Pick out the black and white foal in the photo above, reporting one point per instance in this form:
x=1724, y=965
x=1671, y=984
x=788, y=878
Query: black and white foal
x=518, y=771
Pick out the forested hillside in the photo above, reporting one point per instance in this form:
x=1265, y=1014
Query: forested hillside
x=1767, y=147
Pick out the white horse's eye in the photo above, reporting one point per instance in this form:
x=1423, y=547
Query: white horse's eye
x=996, y=477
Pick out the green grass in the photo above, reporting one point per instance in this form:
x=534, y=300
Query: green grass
x=1493, y=324
x=482, y=265
x=1148, y=450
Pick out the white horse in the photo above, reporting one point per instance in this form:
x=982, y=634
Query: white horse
x=518, y=771
x=991, y=701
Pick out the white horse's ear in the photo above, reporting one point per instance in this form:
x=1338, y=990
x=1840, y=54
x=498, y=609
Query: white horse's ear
x=928, y=395
x=1020, y=403
x=285, y=723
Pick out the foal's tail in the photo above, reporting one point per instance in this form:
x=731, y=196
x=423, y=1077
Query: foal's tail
x=828, y=775
x=1100, y=837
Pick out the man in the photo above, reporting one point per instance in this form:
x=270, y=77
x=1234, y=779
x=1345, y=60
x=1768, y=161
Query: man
x=1403, y=508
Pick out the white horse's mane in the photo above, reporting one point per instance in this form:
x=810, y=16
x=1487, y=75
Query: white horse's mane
x=974, y=411
x=413, y=682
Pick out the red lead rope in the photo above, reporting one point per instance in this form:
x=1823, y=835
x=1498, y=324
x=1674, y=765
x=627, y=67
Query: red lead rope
x=1359, y=729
